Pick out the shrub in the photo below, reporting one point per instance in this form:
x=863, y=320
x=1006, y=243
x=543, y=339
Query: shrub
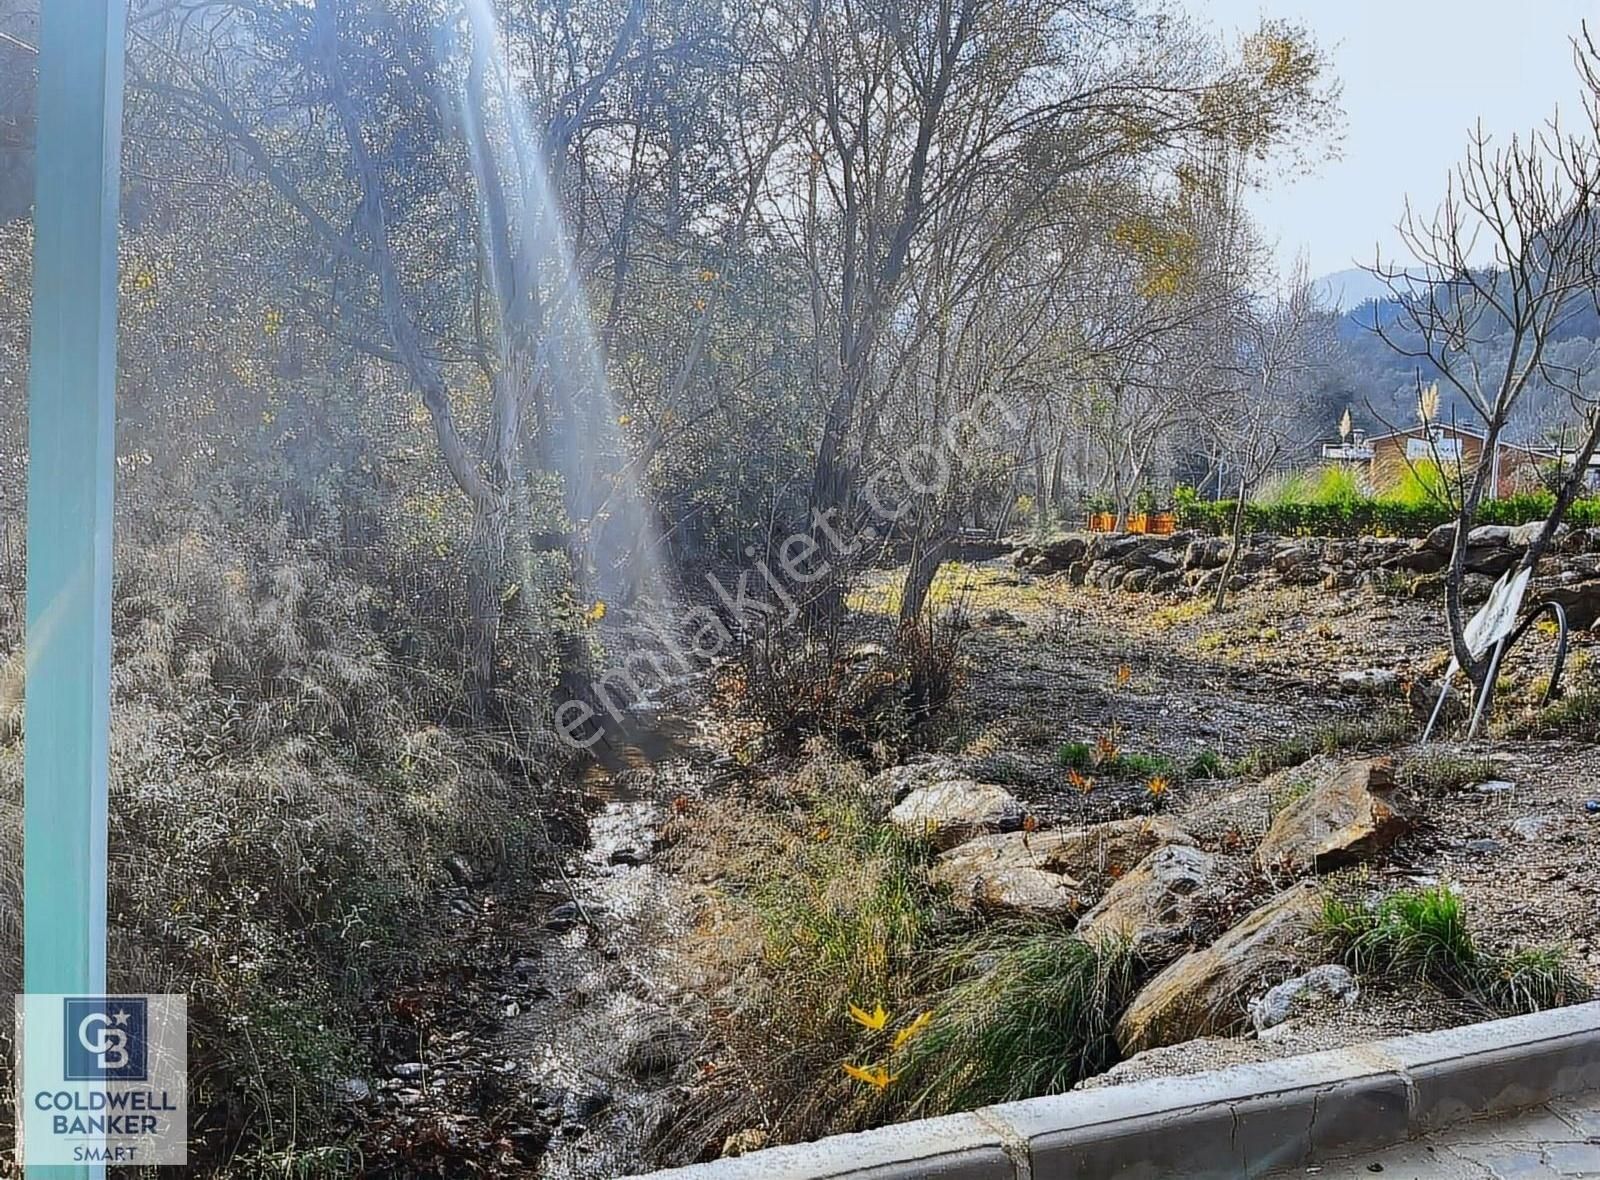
x=1326, y=486
x=1312, y=507
x=1423, y=485
x=815, y=680
x=284, y=793
x=822, y=907
x=843, y=919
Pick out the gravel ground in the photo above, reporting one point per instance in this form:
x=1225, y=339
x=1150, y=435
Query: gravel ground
x=1050, y=663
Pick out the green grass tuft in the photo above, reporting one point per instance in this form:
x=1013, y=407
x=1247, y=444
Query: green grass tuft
x=1030, y=1010
x=1075, y=755
x=1341, y=734
x=1411, y=934
x=1443, y=774
x=1143, y=765
x=1081, y=756
x=1420, y=936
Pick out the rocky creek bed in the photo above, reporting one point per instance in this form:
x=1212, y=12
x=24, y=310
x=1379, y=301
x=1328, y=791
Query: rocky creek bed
x=1322, y=649
x=564, y=1034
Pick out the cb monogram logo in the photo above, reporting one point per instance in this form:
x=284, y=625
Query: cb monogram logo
x=106, y=1038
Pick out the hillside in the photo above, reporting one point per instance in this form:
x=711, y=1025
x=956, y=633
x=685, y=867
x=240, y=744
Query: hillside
x=1379, y=382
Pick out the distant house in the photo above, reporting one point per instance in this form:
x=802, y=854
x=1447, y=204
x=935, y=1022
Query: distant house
x=1591, y=475
x=1386, y=459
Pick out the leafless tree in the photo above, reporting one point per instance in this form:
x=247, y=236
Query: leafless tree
x=1256, y=403
x=1508, y=255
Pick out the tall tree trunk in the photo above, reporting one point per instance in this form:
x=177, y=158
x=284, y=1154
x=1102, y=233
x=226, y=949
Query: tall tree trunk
x=1232, y=563
x=487, y=580
x=928, y=552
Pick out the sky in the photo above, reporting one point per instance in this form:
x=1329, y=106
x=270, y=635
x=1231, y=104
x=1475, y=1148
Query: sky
x=1417, y=75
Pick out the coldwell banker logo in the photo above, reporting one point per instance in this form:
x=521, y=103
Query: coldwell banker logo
x=103, y=1079
x=106, y=1039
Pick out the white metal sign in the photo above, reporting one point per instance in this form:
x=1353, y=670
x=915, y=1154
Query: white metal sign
x=1496, y=619
x=1445, y=450
x=1488, y=628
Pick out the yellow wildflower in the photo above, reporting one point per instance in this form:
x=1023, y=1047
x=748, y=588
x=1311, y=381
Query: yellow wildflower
x=875, y=1020
x=596, y=612
x=876, y=1076
x=911, y=1030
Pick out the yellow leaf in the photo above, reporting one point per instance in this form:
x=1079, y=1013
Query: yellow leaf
x=875, y=1020
x=911, y=1030
x=877, y=1076
x=596, y=612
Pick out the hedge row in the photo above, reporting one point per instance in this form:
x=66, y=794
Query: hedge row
x=1361, y=517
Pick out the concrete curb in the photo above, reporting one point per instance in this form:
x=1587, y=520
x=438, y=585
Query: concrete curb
x=1240, y=1122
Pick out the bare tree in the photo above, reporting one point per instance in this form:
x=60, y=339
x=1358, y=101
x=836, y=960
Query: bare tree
x=916, y=107
x=1485, y=324
x=1255, y=414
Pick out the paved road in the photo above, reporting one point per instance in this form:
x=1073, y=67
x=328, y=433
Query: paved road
x=1561, y=1139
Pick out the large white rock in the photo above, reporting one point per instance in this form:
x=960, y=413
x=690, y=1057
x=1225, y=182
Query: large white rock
x=1046, y=874
x=955, y=810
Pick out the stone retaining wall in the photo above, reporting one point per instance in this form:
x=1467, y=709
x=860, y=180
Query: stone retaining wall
x=1188, y=563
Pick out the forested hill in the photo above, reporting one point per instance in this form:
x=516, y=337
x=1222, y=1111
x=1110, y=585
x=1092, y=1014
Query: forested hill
x=1380, y=384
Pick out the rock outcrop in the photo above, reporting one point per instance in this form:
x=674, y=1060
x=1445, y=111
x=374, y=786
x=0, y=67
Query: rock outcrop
x=1343, y=817
x=1052, y=873
x=1191, y=563
x=1204, y=993
x=1154, y=906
